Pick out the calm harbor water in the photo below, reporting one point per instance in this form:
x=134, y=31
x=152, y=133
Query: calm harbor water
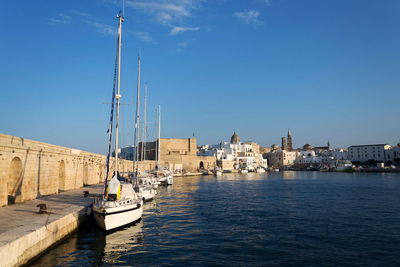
x=271, y=219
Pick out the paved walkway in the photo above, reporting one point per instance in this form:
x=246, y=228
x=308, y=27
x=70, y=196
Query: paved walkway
x=23, y=218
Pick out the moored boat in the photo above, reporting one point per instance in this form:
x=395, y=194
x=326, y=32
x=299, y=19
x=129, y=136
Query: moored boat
x=145, y=186
x=119, y=204
x=260, y=170
x=243, y=171
x=217, y=171
x=343, y=166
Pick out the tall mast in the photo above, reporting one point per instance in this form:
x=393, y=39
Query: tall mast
x=156, y=136
x=159, y=135
x=144, y=124
x=137, y=120
x=118, y=95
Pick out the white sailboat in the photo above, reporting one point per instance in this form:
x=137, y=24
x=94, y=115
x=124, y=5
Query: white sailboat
x=144, y=182
x=217, y=171
x=164, y=176
x=119, y=204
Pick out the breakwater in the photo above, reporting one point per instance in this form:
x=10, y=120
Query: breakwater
x=25, y=233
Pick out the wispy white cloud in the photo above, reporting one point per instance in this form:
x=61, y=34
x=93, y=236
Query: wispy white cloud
x=79, y=13
x=163, y=12
x=168, y=12
x=60, y=19
x=250, y=16
x=177, y=30
x=83, y=17
x=183, y=44
x=144, y=37
x=103, y=28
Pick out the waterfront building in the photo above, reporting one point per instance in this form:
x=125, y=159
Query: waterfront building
x=375, y=152
x=236, y=154
x=308, y=157
x=177, y=154
x=334, y=154
x=289, y=141
x=396, y=155
x=393, y=155
x=284, y=143
x=281, y=158
x=316, y=157
x=207, y=151
x=319, y=149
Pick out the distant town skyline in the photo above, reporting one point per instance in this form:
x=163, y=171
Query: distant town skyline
x=328, y=71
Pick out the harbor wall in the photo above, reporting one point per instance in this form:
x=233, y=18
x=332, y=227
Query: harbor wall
x=31, y=233
x=31, y=169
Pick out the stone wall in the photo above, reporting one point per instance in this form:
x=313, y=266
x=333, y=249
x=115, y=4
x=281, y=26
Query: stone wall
x=180, y=154
x=174, y=146
x=206, y=162
x=30, y=169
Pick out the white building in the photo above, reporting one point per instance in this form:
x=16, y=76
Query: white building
x=363, y=153
x=308, y=157
x=236, y=154
x=393, y=155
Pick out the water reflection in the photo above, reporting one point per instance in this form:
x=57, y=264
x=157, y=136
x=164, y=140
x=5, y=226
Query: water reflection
x=241, y=176
x=122, y=243
x=277, y=219
x=289, y=175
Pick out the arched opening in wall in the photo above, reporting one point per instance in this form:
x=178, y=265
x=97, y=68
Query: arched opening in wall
x=201, y=165
x=14, y=181
x=85, y=174
x=61, y=176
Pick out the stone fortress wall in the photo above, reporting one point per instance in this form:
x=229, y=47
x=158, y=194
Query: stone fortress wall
x=30, y=169
x=181, y=154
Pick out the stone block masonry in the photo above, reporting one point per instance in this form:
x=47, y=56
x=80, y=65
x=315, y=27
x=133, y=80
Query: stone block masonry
x=31, y=169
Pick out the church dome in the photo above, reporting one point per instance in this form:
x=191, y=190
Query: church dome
x=307, y=147
x=235, y=138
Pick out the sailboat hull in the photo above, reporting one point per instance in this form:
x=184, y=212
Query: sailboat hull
x=148, y=193
x=170, y=180
x=112, y=218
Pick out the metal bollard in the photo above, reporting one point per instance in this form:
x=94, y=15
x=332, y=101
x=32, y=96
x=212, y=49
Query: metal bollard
x=42, y=208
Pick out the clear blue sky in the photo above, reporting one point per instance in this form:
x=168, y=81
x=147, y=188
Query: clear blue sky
x=326, y=69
